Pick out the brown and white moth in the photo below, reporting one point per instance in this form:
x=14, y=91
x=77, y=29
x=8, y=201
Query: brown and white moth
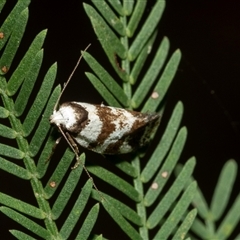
x=103, y=129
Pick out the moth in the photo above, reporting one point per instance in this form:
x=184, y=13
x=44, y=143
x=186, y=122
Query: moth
x=103, y=129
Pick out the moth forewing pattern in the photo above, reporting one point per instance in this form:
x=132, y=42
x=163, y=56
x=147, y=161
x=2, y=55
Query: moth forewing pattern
x=104, y=129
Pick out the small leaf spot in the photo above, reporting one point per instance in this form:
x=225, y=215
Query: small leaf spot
x=52, y=184
x=154, y=186
x=155, y=95
x=164, y=174
x=1, y=35
x=4, y=69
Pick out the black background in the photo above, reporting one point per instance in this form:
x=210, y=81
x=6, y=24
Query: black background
x=207, y=81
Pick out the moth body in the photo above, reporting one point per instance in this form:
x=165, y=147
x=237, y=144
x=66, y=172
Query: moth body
x=104, y=129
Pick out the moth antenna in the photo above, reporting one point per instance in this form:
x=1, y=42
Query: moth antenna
x=70, y=77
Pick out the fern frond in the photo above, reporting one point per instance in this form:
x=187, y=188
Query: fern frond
x=128, y=47
x=209, y=228
x=29, y=138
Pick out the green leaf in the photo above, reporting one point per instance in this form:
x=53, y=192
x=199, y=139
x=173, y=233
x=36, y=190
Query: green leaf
x=59, y=173
x=4, y=113
x=2, y=3
x=115, y=181
x=105, y=35
x=151, y=74
x=109, y=41
x=68, y=188
x=177, y=213
x=126, y=211
x=23, y=68
x=76, y=211
x=231, y=220
x=172, y=194
x=103, y=91
x=106, y=79
x=7, y=132
x=111, y=18
x=167, y=167
x=14, y=41
x=136, y=17
x=11, y=20
x=185, y=226
x=200, y=230
x=28, y=84
x=200, y=203
x=146, y=31
x=122, y=223
x=223, y=189
x=20, y=235
x=141, y=59
x=88, y=223
x=126, y=167
x=116, y=4
x=11, y=152
x=164, y=144
x=40, y=100
x=14, y=169
x=163, y=83
x=25, y=222
x=128, y=6
x=44, y=126
x=21, y=206
x=45, y=157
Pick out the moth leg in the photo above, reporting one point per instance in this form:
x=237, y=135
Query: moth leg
x=53, y=149
x=75, y=149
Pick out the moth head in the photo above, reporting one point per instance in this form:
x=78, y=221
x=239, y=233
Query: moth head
x=70, y=117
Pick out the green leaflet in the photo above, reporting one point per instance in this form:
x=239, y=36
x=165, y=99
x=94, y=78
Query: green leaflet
x=115, y=181
x=10, y=21
x=136, y=17
x=111, y=18
x=23, y=68
x=117, y=5
x=40, y=100
x=151, y=74
x=20, y=235
x=167, y=167
x=164, y=144
x=110, y=42
x=88, y=224
x=185, y=226
x=28, y=84
x=76, y=211
x=11, y=152
x=223, y=190
x=146, y=30
x=25, y=222
x=164, y=82
x=14, y=41
x=14, y=169
x=126, y=211
x=68, y=188
x=21, y=206
x=176, y=214
x=118, y=218
x=108, y=82
x=221, y=198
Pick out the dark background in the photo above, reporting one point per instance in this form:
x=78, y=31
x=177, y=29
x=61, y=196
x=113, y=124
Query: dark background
x=207, y=81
